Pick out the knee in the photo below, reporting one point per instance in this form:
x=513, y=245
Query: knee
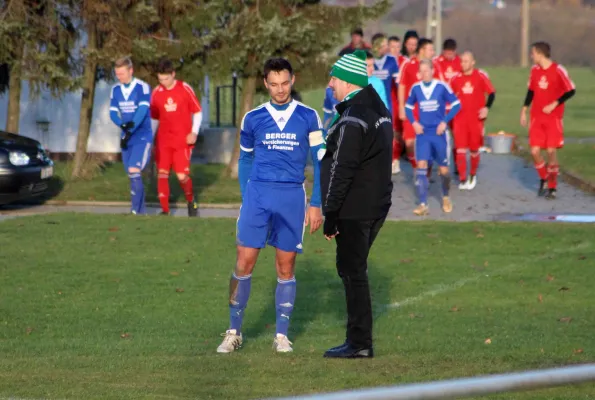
x=535, y=151
x=244, y=265
x=285, y=272
x=444, y=172
x=421, y=164
x=551, y=152
x=182, y=177
x=133, y=171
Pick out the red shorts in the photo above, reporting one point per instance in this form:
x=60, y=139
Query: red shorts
x=546, y=132
x=408, y=131
x=167, y=157
x=468, y=134
x=397, y=123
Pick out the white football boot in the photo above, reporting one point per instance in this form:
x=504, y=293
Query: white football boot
x=471, y=182
x=231, y=342
x=281, y=344
x=396, y=169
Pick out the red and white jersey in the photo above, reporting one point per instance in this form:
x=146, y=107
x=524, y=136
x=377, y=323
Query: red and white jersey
x=471, y=90
x=409, y=74
x=449, y=68
x=174, y=108
x=548, y=85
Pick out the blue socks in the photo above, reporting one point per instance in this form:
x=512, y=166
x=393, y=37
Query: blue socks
x=284, y=301
x=239, y=292
x=445, y=184
x=137, y=193
x=422, y=184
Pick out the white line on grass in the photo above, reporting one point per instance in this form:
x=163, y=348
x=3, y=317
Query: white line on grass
x=443, y=288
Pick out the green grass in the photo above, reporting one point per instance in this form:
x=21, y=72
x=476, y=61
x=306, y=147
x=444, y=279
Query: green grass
x=117, y=307
x=578, y=160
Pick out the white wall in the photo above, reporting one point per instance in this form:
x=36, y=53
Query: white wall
x=63, y=116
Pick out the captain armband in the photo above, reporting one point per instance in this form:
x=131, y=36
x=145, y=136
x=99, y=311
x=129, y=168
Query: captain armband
x=316, y=138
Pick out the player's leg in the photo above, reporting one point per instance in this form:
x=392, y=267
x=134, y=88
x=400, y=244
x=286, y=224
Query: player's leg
x=475, y=143
x=422, y=153
x=251, y=232
x=163, y=158
x=181, y=163
x=537, y=141
x=286, y=235
x=555, y=141
x=396, y=166
x=441, y=151
x=461, y=145
x=138, y=159
x=409, y=138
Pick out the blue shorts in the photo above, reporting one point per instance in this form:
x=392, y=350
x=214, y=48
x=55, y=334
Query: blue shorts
x=137, y=155
x=272, y=213
x=432, y=147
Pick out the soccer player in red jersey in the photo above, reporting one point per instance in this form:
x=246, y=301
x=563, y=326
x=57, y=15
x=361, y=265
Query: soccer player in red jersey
x=449, y=60
x=470, y=87
x=177, y=113
x=409, y=76
x=549, y=88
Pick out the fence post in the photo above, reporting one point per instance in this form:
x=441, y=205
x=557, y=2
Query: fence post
x=234, y=87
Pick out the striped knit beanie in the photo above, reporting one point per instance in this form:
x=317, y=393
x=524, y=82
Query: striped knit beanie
x=352, y=68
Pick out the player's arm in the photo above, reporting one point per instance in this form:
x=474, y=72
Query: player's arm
x=455, y=104
x=346, y=163
x=194, y=108
x=246, y=154
x=154, y=111
x=410, y=106
x=143, y=108
x=569, y=87
x=401, y=90
x=317, y=148
x=114, y=111
x=327, y=108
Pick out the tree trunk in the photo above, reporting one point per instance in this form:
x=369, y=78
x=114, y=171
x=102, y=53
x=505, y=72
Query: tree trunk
x=86, y=114
x=14, y=93
x=248, y=92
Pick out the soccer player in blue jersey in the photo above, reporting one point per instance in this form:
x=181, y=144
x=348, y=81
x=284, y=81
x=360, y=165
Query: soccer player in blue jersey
x=431, y=143
x=385, y=65
x=129, y=110
x=275, y=141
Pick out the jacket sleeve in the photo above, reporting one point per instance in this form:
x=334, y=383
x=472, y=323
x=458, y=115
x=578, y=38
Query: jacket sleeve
x=346, y=161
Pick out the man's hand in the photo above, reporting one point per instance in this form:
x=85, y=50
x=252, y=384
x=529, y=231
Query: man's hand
x=126, y=126
x=124, y=140
x=441, y=128
x=483, y=113
x=314, y=218
x=402, y=114
x=330, y=229
x=550, y=107
x=523, y=117
x=418, y=128
x=191, y=138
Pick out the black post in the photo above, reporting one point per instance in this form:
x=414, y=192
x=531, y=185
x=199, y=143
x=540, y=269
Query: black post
x=234, y=87
x=218, y=106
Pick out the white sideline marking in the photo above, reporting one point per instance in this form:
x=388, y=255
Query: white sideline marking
x=443, y=288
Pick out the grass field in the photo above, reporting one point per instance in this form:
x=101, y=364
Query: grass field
x=98, y=307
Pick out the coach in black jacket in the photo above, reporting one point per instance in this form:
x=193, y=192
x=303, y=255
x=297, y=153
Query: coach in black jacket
x=356, y=188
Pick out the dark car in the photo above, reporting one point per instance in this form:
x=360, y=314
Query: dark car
x=25, y=168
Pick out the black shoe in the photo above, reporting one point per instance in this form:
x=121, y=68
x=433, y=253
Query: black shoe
x=551, y=194
x=542, y=188
x=192, y=209
x=349, y=351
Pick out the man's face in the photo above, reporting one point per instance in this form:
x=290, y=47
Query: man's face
x=279, y=84
x=370, y=66
x=411, y=46
x=167, y=80
x=381, y=49
x=467, y=62
x=339, y=87
x=427, y=51
x=449, y=54
x=426, y=72
x=394, y=47
x=356, y=39
x=536, y=57
x=124, y=74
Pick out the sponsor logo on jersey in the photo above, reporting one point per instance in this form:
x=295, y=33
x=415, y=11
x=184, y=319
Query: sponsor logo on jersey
x=468, y=88
x=428, y=105
x=543, y=83
x=170, y=106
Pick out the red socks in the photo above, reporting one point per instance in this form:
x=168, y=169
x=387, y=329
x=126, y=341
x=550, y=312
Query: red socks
x=163, y=191
x=186, y=185
x=541, y=171
x=474, y=162
x=396, y=149
x=461, y=160
x=552, y=177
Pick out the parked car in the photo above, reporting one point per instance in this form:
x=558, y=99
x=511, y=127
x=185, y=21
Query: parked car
x=25, y=168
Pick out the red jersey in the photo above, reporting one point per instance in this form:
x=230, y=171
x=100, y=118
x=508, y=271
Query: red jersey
x=449, y=67
x=409, y=74
x=471, y=90
x=548, y=85
x=174, y=108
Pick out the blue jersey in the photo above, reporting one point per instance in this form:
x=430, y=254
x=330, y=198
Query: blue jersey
x=280, y=141
x=132, y=103
x=378, y=85
x=432, y=97
x=387, y=70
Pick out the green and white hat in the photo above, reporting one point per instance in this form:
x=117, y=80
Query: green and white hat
x=352, y=68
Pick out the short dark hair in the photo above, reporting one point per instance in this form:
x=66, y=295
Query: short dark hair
x=423, y=42
x=394, y=39
x=378, y=36
x=357, y=31
x=277, y=64
x=449, y=44
x=369, y=54
x=165, y=66
x=542, y=48
x=409, y=34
